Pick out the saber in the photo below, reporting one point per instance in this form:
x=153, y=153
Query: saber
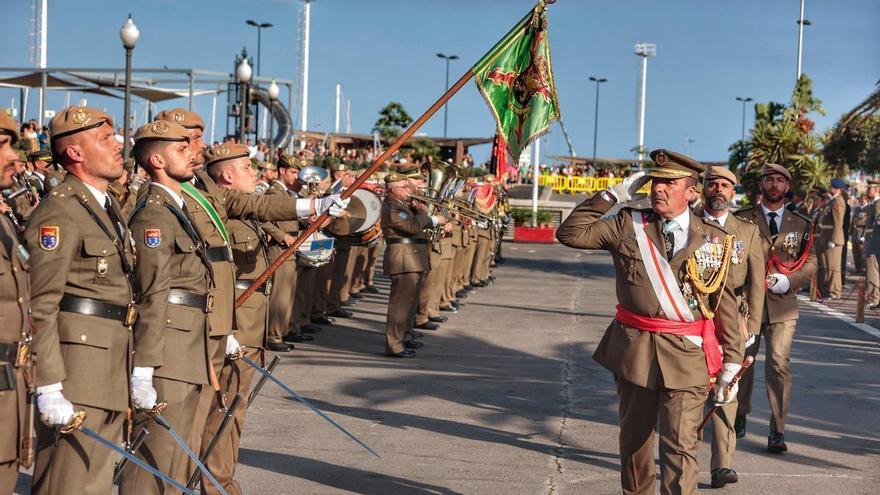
x=300, y=398
x=76, y=424
x=262, y=380
x=228, y=414
x=155, y=413
x=132, y=448
x=739, y=374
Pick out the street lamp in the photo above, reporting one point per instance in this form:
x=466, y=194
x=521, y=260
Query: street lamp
x=243, y=73
x=260, y=26
x=598, y=81
x=744, y=101
x=129, y=35
x=801, y=23
x=446, y=105
x=273, y=92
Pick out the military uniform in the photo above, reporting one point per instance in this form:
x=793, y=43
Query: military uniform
x=81, y=294
x=661, y=377
x=872, y=251
x=831, y=226
x=281, y=301
x=857, y=231
x=779, y=318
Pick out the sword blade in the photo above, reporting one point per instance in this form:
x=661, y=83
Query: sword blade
x=262, y=381
x=308, y=404
x=132, y=458
x=227, y=418
x=161, y=421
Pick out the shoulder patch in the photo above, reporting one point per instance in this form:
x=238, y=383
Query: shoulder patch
x=402, y=215
x=50, y=237
x=152, y=237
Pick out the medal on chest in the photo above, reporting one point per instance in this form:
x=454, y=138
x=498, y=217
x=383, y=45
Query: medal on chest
x=736, y=257
x=706, y=270
x=102, y=267
x=790, y=243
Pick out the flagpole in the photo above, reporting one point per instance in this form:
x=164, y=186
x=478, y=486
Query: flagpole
x=357, y=183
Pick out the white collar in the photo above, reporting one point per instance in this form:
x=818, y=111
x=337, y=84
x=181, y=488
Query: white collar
x=778, y=212
x=178, y=198
x=100, y=196
x=721, y=220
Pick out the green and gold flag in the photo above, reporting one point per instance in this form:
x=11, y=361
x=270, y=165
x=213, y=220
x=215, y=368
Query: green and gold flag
x=516, y=79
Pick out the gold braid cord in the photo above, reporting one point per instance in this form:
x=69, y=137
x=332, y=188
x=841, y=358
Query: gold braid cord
x=702, y=290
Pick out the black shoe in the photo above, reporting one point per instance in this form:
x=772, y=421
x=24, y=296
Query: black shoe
x=370, y=290
x=458, y=304
x=355, y=295
x=416, y=335
x=462, y=294
x=449, y=309
x=428, y=326
x=412, y=344
x=481, y=284
x=469, y=287
x=347, y=302
x=298, y=337
x=279, y=347
x=438, y=319
x=739, y=426
x=776, y=443
x=406, y=353
x=311, y=329
x=342, y=313
x=323, y=320
x=723, y=476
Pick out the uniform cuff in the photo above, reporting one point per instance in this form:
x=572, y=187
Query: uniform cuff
x=55, y=387
x=142, y=372
x=304, y=207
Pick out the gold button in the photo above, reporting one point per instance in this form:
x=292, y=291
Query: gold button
x=20, y=300
x=249, y=246
x=14, y=269
x=168, y=320
x=103, y=251
x=83, y=338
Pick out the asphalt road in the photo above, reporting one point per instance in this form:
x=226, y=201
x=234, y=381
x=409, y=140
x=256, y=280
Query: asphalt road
x=505, y=399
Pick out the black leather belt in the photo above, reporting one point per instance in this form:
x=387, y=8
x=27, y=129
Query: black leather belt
x=9, y=351
x=101, y=309
x=219, y=253
x=264, y=288
x=191, y=299
x=404, y=240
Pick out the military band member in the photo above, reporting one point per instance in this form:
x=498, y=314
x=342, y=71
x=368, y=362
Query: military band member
x=406, y=258
x=746, y=276
x=82, y=295
x=872, y=244
x=832, y=239
x=786, y=242
x=15, y=333
x=662, y=345
x=428, y=313
x=340, y=281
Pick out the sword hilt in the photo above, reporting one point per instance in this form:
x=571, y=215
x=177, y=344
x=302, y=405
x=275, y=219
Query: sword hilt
x=158, y=409
x=75, y=423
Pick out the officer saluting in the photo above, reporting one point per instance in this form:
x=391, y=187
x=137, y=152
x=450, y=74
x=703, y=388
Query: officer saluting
x=82, y=305
x=671, y=266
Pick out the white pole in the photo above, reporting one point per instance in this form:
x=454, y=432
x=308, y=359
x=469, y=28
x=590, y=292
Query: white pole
x=43, y=34
x=338, y=94
x=213, y=116
x=348, y=116
x=536, y=174
x=303, y=121
x=800, y=41
x=24, y=104
x=643, y=103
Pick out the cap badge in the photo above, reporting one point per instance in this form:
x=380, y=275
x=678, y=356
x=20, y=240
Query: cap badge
x=178, y=117
x=80, y=117
x=221, y=150
x=159, y=127
x=661, y=159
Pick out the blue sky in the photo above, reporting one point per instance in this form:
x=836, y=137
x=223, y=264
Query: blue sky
x=708, y=52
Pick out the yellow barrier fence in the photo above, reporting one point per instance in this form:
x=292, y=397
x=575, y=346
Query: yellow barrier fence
x=582, y=185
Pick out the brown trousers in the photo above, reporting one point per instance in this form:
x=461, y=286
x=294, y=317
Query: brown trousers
x=457, y=263
x=402, y=305
x=321, y=289
x=777, y=373
x=429, y=292
x=340, y=280
x=357, y=264
x=12, y=410
x=833, y=276
x=223, y=460
x=858, y=252
x=674, y=415
x=281, y=301
x=306, y=286
x=872, y=274
x=480, y=266
x=372, y=258
x=723, y=435
x=76, y=463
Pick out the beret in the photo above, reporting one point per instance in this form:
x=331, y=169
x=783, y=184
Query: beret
x=181, y=116
x=774, y=168
x=9, y=126
x=161, y=130
x=716, y=172
x=77, y=119
x=222, y=152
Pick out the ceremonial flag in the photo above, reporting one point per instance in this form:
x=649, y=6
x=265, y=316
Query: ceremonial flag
x=500, y=161
x=516, y=79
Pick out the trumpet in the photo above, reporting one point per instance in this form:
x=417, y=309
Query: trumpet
x=449, y=206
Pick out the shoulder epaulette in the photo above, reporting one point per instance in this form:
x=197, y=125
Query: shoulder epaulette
x=744, y=210
x=801, y=215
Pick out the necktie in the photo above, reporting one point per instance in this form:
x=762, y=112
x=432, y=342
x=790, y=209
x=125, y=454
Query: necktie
x=774, y=229
x=669, y=228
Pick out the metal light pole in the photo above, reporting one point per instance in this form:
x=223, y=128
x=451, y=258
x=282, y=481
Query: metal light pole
x=801, y=23
x=598, y=81
x=260, y=26
x=643, y=50
x=243, y=73
x=744, y=101
x=273, y=91
x=129, y=35
x=446, y=106
x=303, y=119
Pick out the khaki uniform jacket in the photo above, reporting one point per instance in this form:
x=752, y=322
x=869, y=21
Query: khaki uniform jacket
x=277, y=230
x=231, y=204
x=54, y=177
x=859, y=222
x=88, y=354
x=872, y=240
x=172, y=338
x=15, y=302
x=647, y=359
x=831, y=223
x=783, y=307
x=399, y=220
x=746, y=274
x=250, y=252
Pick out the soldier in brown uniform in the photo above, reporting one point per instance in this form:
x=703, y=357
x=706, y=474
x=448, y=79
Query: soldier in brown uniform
x=250, y=252
x=15, y=301
x=82, y=295
x=406, y=258
x=857, y=228
x=786, y=241
x=662, y=345
x=832, y=239
x=746, y=276
x=872, y=244
x=340, y=281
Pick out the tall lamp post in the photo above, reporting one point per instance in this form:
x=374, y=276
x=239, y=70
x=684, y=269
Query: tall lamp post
x=129, y=35
x=260, y=26
x=800, y=52
x=744, y=101
x=243, y=74
x=598, y=81
x=448, y=58
x=273, y=91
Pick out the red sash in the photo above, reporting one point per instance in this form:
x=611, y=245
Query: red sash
x=704, y=329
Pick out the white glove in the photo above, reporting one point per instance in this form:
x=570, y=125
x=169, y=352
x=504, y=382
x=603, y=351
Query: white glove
x=831, y=245
x=233, y=348
x=623, y=191
x=334, y=203
x=142, y=392
x=861, y=239
x=55, y=410
x=728, y=371
x=778, y=283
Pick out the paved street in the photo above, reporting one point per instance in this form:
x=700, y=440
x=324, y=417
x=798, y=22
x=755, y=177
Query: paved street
x=505, y=399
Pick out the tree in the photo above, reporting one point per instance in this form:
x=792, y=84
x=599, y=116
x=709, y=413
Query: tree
x=855, y=143
x=393, y=120
x=423, y=147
